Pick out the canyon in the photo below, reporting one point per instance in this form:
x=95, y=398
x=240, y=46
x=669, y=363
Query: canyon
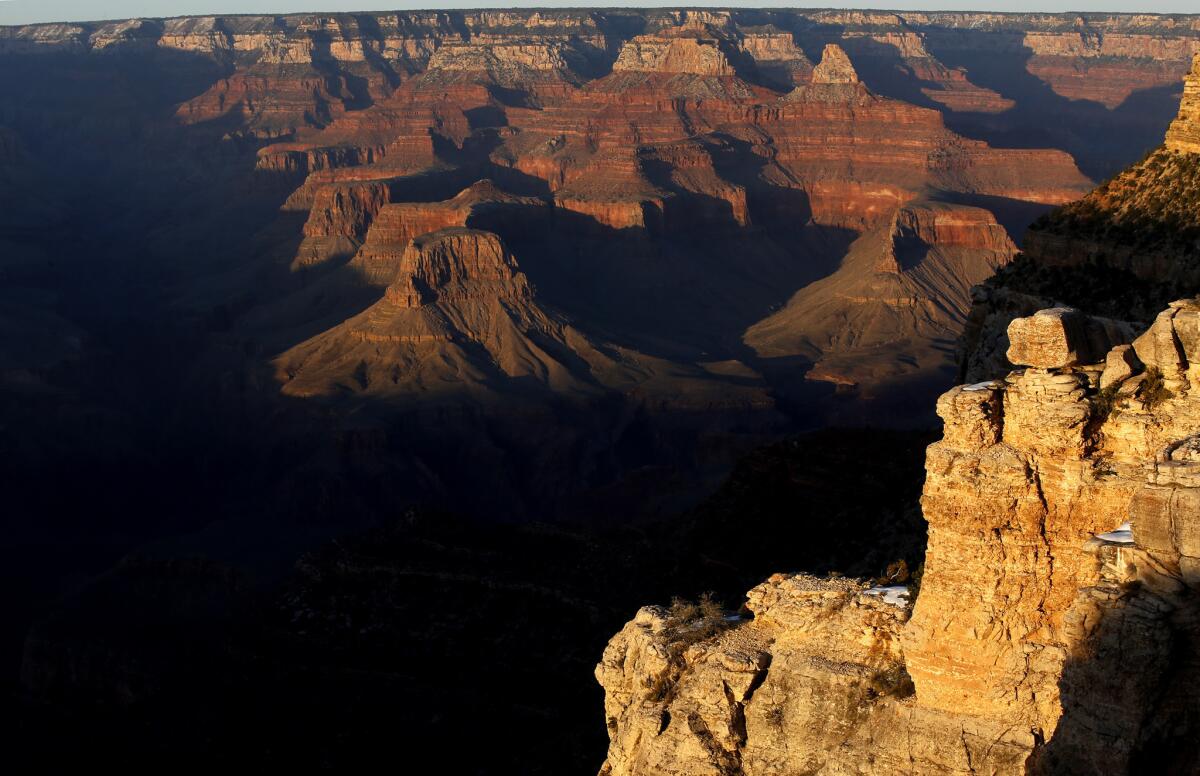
x=1052, y=625
x=368, y=339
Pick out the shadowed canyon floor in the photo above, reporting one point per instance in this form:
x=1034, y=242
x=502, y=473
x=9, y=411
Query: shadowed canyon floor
x=523, y=302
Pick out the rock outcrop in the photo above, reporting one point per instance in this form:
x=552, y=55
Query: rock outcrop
x=1043, y=629
x=834, y=68
x=1184, y=132
x=1143, y=221
x=1063, y=337
x=1121, y=252
x=455, y=315
x=901, y=294
x=653, y=54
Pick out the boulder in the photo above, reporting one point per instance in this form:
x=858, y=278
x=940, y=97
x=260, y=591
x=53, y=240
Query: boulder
x=1048, y=339
x=1062, y=337
x=1172, y=343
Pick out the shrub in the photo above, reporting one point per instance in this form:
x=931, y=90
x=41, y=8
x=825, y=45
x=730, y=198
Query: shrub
x=894, y=682
x=689, y=622
x=1106, y=403
x=1153, y=390
x=896, y=573
x=774, y=717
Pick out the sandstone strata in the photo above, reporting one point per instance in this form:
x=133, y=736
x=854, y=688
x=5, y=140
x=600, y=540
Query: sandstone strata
x=1184, y=132
x=902, y=284
x=1062, y=337
x=697, y=56
x=834, y=68
x=1035, y=639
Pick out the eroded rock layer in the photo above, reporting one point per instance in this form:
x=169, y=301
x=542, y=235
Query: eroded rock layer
x=796, y=132
x=1184, y=132
x=1053, y=625
x=1124, y=250
x=1043, y=621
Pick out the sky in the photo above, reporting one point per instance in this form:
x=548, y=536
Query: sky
x=31, y=11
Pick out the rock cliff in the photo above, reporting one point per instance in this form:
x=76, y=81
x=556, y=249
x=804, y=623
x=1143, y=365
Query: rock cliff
x=1124, y=250
x=1184, y=132
x=1051, y=625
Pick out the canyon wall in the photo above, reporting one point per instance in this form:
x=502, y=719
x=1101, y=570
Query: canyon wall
x=879, y=154
x=1052, y=628
x=1123, y=251
x=1053, y=625
x=298, y=273
x=770, y=216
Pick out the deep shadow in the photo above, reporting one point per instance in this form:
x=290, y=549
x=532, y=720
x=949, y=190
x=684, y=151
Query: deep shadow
x=1101, y=141
x=199, y=570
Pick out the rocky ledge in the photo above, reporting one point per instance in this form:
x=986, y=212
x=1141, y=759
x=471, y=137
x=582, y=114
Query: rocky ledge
x=1046, y=635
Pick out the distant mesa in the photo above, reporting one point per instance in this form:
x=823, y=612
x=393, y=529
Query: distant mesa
x=656, y=54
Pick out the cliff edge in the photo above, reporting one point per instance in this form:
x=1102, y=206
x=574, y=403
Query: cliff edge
x=1054, y=624
x=1054, y=627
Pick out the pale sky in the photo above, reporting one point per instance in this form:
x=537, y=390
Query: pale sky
x=30, y=11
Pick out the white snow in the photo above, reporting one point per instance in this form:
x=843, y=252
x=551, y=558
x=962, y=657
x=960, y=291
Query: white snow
x=896, y=595
x=987, y=385
x=1122, y=534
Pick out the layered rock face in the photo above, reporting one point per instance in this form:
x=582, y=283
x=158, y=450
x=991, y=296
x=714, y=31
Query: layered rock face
x=687, y=136
x=1043, y=629
x=901, y=294
x=683, y=138
x=697, y=56
x=668, y=183
x=1054, y=624
x=723, y=203
x=1121, y=252
x=454, y=311
x=1184, y=132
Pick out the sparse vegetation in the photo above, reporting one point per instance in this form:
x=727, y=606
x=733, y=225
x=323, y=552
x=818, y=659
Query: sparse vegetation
x=687, y=623
x=1153, y=390
x=891, y=682
x=1106, y=403
x=690, y=622
x=1156, y=202
x=774, y=717
x=896, y=573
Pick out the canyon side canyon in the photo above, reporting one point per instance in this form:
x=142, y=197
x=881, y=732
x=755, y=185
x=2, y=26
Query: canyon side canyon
x=336, y=347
